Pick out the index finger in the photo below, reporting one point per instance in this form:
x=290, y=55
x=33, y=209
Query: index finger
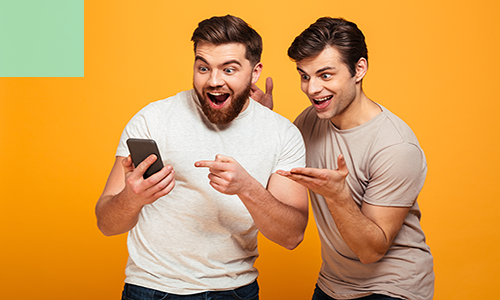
x=309, y=172
x=204, y=164
x=213, y=165
x=295, y=175
x=144, y=165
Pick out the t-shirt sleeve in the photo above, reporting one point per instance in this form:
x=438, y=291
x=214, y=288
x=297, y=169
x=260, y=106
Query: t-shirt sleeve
x=138, y=127
x=293, y=152
x=397, y=176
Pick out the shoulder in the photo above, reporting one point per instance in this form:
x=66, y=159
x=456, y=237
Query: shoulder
x=269, y=118
x=164, y=107
x=275, y=125
x=394, y=127
x=306, y=117
x=402, y=156
x=397, y=174
x=158, y=111
x=393, y=141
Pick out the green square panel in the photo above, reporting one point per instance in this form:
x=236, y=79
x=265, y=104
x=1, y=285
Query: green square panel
x=41, y=38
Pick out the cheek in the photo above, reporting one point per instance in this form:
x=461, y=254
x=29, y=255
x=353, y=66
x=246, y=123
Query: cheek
x=237, y=83
x=198, y=81
x=303, y=87
x=336, y=86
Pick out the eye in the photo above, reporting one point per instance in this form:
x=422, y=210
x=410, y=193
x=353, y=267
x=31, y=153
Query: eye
x=304, y=77
x=202, y=69
x=326, y=76
x=229, y=71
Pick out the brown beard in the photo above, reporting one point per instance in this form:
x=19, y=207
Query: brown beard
x=226, y=115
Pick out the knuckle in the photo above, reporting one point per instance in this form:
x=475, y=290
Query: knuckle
x=136, y=190
x=129, y=181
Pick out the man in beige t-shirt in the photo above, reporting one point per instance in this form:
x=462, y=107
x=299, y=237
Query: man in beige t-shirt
x=365, y=169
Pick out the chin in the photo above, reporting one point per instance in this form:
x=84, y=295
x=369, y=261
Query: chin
x=229, y=111
x=223, y=115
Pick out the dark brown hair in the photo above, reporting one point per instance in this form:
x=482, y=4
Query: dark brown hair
x=342, y=35
x=229, y=29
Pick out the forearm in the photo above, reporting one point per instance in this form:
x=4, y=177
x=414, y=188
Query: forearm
x=115, y=215
x=277, y=221
x=363, y=236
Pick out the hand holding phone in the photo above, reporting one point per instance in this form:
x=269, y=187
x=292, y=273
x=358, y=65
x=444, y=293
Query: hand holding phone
x=140, y=149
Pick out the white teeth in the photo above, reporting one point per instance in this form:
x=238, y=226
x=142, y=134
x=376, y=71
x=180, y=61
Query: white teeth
x=216, y=94
x=322, y=99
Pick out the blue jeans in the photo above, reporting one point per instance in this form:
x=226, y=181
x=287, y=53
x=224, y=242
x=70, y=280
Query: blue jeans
x=320, y=295
x=247, y=292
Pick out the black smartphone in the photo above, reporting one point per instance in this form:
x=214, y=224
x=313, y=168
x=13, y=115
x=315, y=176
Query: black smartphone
x=140, y=149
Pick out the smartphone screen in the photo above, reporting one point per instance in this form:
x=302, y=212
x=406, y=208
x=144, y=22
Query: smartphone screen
x=140, y=149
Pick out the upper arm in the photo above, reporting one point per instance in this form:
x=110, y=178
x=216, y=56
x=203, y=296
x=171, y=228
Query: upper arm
x=388, y=218
x=288, y=192
x=116, y=178
x=397, y=175
x=293, y=155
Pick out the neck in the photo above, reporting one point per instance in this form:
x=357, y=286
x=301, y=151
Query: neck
x=360, y=111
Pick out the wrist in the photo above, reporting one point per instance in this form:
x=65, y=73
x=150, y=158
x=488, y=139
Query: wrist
x=252, y=190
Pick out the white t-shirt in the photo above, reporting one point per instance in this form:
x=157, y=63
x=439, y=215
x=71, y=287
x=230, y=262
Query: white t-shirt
x=196, y=239
x=386, y=167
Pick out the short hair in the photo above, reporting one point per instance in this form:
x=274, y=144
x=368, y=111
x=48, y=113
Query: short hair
x=342, y=35
x=229, y=29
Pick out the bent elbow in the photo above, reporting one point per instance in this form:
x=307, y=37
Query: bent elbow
x=106, y=231
x=370, y=258
x=103, y=230
x=294, y=242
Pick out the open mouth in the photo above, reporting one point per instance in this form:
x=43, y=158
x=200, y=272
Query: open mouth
x=322, y=101
x=217, y=99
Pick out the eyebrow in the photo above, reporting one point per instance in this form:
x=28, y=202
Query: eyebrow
x=233, y=61
x=318, y=71
x=197, y=57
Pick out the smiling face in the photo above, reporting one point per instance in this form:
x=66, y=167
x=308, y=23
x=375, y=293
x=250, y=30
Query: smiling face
x=222, y=78
x=329, y=85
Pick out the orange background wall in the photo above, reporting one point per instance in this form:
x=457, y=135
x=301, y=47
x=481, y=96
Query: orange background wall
x=433, y=63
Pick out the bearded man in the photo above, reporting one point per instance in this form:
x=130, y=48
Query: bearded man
x=190, y=237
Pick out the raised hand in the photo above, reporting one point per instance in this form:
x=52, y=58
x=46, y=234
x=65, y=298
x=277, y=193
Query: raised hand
x=258, y=95
x=146, y=191
x=126, y=192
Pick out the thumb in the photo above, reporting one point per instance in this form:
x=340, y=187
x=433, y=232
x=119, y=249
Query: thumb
x=342, y=166
x=222, y=158
x=269, y=85
x=127, y=164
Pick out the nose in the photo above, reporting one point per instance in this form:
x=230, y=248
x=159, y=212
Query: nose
x=215, y=79
x=314, y=86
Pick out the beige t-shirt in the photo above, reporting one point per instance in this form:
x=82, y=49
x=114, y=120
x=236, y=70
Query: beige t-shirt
x=387, y=167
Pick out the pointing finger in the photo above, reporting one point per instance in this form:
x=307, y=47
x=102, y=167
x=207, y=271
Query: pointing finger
x=204, y=164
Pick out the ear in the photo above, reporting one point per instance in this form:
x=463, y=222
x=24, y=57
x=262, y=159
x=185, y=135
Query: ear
x=257, y=70
x=361, y=69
